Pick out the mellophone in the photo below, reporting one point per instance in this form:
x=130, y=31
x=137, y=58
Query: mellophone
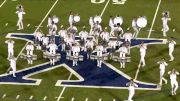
x=28, y=57
x=103, y=57
x=75, y=58
x=50, y=56
x=118, y=59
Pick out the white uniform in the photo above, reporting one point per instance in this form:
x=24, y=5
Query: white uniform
x=83, y=34
x=171, y=49
x=111, y=25
x=89, y=45
x=45, y=40
x=13, y=66
x=165, y=25
x=105, y=36
x=122, y=55
x=143, y=49
x=174, y=83
x=91, y=23
x=99, y=54
x=131, y=89
x=20, y=19
x=30, y=49
x=10, y=48
x=135, y=28
x=128, y=37
x=71, y=19
x=49, y=21
x=63, y=34
x=162, y=68
x=75, y=50
x=52, y=48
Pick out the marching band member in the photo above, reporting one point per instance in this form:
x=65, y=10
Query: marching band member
x=49, y=21
x=68, y=44
x=83, y=35
x=96, y=31
x=75, y=50
x=99, y=50
x=105, y=35
x=12, y=69
x=174, y=84
x=171, y=45
x=10, y=47
x=89, y=46
x=30, y=49
x=122, y=55
x=45, y=42
x=132, y=85
x=38, y=37
x=105, y=38
x=112, y=44
x=162, y=67
x=143, y=49
x=71, y=18
x=63, y=34
x=52, y=50
x=135, y=28
x=165, y=20
x=118, y=31
x=20, y=14
x=72, y=30
x=91, y=23
x=111, y=25
x=52, y=31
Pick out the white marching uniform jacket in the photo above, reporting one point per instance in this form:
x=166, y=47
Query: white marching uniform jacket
x=90, y=44
x=173, y=76
x=20, y=14
x=162, y=65
x=71, y=19
x=45, y=40
x=105, y=35
x=143, y=49
x=62, y=33
x=30, y=47
x=112, y=44
x=10, y=44
x=13, y=64
x=171, y=45
x=52, y=48
x=75, y=50
x=99, y=51
x=83, y=35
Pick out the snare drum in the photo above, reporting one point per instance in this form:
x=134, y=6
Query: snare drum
x=81, y=58
x=92, y=57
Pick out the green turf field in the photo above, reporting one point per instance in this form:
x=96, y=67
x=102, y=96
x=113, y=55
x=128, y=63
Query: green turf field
x=47, y=91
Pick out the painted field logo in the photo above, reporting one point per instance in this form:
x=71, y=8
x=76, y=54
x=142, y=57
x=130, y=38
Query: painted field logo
x=113, y=1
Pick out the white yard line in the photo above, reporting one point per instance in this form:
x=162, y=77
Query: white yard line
x=60, y=96
x=150, y=31
x=3, y=3
x=39, y=25
x=154, y=19
x=105, y=8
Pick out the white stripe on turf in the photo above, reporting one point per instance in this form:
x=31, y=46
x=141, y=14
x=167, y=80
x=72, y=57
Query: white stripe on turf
x=60, y=95
x=150, y=31
x=3, y=3
x=39, y=25
x=154, y=19
x=105, y=8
